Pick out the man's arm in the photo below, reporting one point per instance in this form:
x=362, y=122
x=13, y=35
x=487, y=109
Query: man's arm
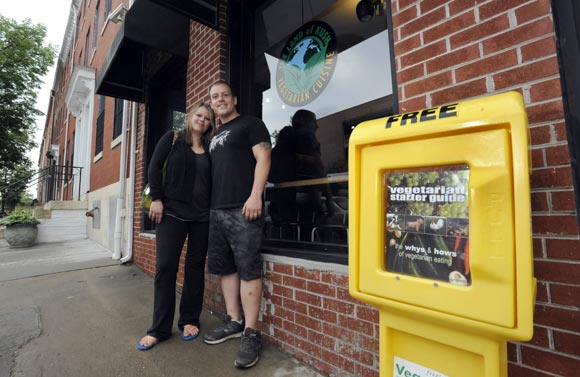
x=253, y=207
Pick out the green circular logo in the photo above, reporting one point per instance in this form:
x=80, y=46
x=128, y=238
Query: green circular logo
x=306, y=65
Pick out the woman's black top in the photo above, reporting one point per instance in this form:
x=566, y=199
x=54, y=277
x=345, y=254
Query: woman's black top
x=185, y=190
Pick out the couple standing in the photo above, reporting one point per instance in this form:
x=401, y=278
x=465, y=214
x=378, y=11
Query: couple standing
x=182, y=178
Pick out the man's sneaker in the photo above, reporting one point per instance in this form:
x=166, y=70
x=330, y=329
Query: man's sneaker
x=249, y=349
x=228, y=330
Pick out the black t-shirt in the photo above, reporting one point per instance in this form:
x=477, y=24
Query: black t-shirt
x=198, y=208
x=233, y=162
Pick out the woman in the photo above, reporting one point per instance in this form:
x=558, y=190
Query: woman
x=179, y=179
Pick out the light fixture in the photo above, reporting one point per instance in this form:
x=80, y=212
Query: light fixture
x=366, y=9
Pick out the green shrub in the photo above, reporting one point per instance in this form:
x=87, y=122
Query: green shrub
x=19, y=217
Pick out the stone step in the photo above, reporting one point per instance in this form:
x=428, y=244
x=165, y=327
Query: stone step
x=63, y=224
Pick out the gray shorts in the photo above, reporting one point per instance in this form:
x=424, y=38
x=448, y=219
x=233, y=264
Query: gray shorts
x=234, y=244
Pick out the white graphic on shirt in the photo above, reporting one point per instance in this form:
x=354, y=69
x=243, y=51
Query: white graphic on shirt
x=218, y=140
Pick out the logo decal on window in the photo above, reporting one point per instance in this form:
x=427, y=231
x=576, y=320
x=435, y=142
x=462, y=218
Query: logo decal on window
x=307, y=62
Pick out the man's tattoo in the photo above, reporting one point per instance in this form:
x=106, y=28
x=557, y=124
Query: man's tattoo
x=265, y=145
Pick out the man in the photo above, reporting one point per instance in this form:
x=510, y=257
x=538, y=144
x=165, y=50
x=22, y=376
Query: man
x=240, y=152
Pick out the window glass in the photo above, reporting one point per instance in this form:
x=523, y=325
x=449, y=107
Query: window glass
x=318, y=72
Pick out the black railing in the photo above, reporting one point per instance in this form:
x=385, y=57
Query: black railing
x=49, y=181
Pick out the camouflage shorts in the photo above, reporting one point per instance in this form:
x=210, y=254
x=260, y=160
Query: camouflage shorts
x=234, y=244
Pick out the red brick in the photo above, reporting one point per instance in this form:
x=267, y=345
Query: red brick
x=342, y=363
x=321, y=339
x=542, y=292
x=453, y=59
x=367, y=313
x=549, y=361
x=518, y=35
x=544, y=112
x=423, y=54
x=333, y=278
x=560, y=131
x=428, y=84
x=420, y=22
x=522, y=371
x=321, y=314
x=308, y=322
x=558, y=318
x=290, y=281
x=309, y=348
x=532, y=11
x=414, y=104
x=541, y=337
x=308, y=298
x=479, y=31
x=283, y=269
x=344, y=295
x=302, y=272
x=555, y=225
x=563, y=248
x=551, y=177
x=546, y=90
x=496, y=7
x=356, y=325
x=556, y=271
x=338, y=306
x=540, y=134
x=407, y=45
x=512, y=352
x=568, y=295
x=283, y=291
x=524, y=73
x=558, y=155
x=284, y=313
x=448, y=27
x=340, y=332
x=274, y=277
x=563, y=200
x=297, y=331
x=538, y=160
x=428, y=5
x=540, y=201
x=405, y=16
x=485, y=66
x=295, y=306
x=567, y=343
x=410, y=74
x=368, y=343
x=460, y=6
x=364, y=371
x=404, y=4
x=459, y=92
x=321, y=289
x=538, y=49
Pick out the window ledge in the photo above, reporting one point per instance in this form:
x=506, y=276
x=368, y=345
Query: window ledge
x=116, y=142
x=98, y=156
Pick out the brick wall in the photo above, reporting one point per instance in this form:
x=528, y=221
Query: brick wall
x=308, y=312
x=453, y=50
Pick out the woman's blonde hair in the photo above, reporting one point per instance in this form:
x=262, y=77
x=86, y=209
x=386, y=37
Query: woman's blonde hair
x=188, y=123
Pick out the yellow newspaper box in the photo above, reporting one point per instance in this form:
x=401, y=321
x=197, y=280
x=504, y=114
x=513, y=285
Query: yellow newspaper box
x=440, y=235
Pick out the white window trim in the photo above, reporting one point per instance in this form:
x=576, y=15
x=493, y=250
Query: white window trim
x=98, y=157
x=117, y=141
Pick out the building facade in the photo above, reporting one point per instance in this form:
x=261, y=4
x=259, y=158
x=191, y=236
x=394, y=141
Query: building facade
x=347, y=61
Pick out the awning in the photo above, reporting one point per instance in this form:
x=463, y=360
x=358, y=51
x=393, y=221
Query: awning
x=202, y=11
x=147, y=26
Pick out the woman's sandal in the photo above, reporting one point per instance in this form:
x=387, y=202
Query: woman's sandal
x=189, y=336
x=144, y=347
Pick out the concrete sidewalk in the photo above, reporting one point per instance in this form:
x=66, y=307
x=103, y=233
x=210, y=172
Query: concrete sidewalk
x=87, y=320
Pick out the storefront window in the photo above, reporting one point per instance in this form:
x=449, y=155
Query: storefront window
x=318, y=71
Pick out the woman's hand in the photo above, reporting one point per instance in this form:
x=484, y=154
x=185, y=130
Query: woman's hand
x=156, y=211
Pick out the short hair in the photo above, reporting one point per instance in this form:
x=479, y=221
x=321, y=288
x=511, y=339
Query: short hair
x=222, y=82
